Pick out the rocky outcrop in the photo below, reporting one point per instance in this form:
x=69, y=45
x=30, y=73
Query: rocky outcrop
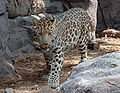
x=99, y=75
x=6, y=57
x=26, y=7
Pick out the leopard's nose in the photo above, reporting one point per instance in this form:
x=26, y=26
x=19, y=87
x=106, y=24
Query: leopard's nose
x=45, y=41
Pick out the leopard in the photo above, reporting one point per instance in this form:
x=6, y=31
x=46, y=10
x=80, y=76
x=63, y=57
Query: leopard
x=68, y=29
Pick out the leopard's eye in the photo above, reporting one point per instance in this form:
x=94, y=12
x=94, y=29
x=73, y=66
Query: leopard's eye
x=50, y=32
x=39, y=33
x=35, y=27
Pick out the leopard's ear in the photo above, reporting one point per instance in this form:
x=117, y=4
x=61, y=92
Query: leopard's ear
x=48, y=19
x=35, y=22
x=51, y=19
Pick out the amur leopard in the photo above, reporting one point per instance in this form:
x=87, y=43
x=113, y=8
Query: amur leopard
x=62, y=31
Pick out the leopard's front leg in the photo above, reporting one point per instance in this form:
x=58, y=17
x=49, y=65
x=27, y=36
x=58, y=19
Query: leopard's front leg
x=48, y=58
x=56, y=66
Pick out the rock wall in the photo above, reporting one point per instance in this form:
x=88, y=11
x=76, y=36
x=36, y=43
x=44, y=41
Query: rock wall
x=108, y=14
x=99, y=75
x=6, y=57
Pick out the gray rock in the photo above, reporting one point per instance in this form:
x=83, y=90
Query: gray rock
x=6, y=57
x=21, y=36
x=99, y=75
x=2, y=7
x=24, y=50
x=6, y=68
x=55, y=7
x=9, y=90
x=17, y=8
x=108, y=14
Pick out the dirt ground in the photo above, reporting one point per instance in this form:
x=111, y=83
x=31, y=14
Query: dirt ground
x=30, y=68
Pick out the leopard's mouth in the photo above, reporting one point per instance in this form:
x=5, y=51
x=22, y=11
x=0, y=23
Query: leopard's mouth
x=44, y=47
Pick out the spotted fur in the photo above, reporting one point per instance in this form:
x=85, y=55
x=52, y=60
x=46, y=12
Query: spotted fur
x=67, y=29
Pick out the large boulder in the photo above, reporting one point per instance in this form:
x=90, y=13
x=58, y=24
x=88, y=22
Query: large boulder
x=99, y=75
x=6, y=57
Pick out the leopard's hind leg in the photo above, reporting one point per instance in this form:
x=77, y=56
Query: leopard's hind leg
x=83, y=41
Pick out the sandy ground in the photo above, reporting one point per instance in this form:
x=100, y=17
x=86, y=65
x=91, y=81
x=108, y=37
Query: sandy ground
x=31, y=67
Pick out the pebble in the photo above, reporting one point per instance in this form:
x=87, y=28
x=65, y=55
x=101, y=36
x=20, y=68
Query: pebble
x=9, y=90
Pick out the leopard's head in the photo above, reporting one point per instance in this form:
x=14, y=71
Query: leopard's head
x=44, y=31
